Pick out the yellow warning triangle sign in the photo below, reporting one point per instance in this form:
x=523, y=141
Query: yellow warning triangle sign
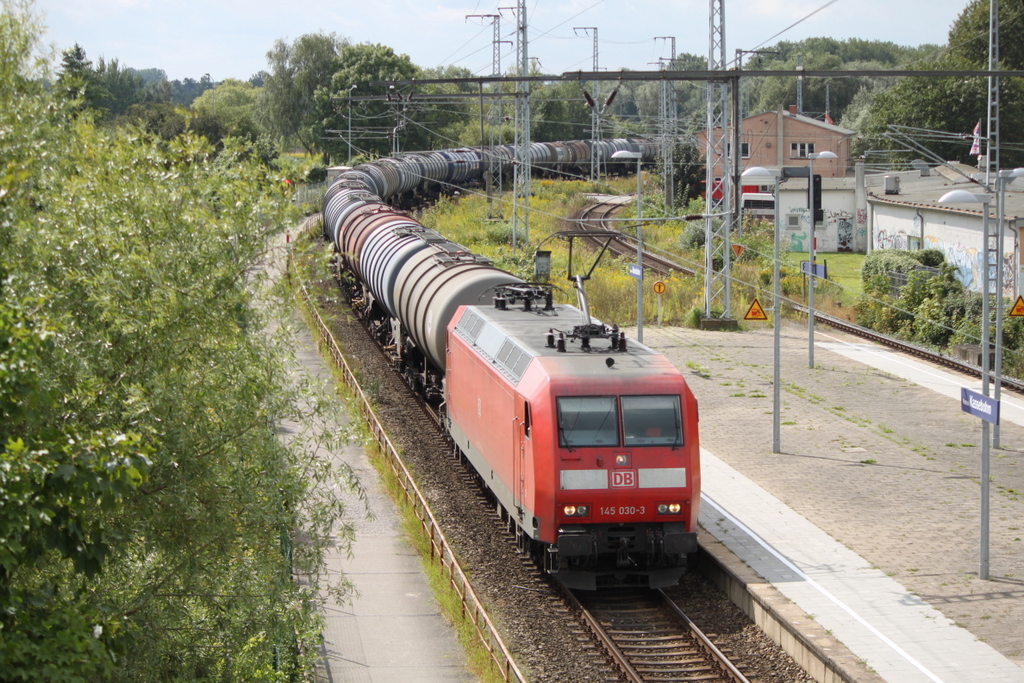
x=755, y=312
x=1018, y=308
x=738, y=249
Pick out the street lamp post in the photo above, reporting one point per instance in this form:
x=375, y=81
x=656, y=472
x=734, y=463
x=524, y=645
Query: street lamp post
x=963, y=196
x=624, y=154
x=350, y=89
x=810, y=278
x=761, y=173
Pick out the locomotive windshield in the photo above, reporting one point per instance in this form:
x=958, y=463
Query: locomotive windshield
x=651, y=421
x=587, y=421
x=594, y=421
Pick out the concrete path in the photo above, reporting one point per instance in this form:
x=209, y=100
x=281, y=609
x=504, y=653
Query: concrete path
x=391, y=629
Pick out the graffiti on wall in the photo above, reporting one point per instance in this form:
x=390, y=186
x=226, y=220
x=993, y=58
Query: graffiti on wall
x=862, y=226
x=844, y=228
x=891, y=240
x=797, y=241
x=798, y=234
x=967, y=263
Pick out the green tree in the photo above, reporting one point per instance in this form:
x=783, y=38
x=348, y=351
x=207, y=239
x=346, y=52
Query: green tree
x=956, y=105
x=233, y=102
x=287, y=107
x=375, y=121
x=149, y=510
x=439, y=123
x=114, y=89
x=76, y=72
x=559, y=111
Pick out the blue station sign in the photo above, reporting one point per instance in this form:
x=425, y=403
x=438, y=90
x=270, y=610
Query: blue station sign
x=979, y=405
x=636, y=271
x=820, y=269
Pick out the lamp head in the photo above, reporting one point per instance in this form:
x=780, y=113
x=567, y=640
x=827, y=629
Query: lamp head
x=759, y=173
x=823, y=155
x=964, y=197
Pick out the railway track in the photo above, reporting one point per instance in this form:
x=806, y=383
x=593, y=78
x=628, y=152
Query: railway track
x=650, y=638
x=956, y=364
x=595, y=217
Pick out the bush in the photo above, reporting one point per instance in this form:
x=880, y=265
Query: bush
x=885, y=261
x=317, y=174
x=933, y=258
x=693, y=235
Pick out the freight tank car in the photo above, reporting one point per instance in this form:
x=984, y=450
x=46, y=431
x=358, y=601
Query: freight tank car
x=589, y=443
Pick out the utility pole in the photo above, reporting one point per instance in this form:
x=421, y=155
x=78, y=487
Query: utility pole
x=521, y=177
x=800, y=85
x=492, y=168
x=595, y=109
x=716, y=237
x=395, y=98
x=667, y=127
x=992, y=147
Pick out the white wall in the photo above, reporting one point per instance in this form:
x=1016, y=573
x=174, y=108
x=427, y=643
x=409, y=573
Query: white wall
x=842, y=222
x=957, y=235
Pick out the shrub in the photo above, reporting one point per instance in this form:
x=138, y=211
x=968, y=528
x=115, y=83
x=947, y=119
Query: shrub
x=885, y=261
x=930, y=257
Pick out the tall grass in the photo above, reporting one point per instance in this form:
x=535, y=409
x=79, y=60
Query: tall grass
x=610, y=290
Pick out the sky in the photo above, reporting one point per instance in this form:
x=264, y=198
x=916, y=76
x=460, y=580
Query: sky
x=230, y=38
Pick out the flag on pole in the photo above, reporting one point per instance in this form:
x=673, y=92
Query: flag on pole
x=828, y=119
x=976, y=145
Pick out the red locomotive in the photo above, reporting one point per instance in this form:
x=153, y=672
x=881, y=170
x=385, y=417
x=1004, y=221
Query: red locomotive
x=589, y=444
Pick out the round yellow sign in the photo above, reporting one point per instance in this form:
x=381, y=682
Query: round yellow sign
x=659, y=287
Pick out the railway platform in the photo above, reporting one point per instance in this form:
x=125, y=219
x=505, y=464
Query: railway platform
x=868, y=519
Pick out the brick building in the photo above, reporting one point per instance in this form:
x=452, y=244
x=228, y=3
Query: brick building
x=784, y=138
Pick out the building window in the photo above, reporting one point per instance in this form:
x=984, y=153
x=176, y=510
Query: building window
x=744, y=149
x=793, y=221
x=800, y=150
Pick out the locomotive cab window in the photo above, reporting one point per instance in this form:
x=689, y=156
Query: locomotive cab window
x=587, y=421
x=651, y=421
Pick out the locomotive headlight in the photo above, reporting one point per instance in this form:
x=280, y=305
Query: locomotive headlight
x=622, y=459
x=576, y=510
x=669, y=508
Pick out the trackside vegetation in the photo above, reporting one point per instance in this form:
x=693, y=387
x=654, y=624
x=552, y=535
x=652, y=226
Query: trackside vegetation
x=152, y=523
x=610, y=289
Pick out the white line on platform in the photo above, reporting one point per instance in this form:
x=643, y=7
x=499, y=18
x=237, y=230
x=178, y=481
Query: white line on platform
x=821, y=589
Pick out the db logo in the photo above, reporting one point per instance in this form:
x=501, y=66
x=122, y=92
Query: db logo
x=623, y=478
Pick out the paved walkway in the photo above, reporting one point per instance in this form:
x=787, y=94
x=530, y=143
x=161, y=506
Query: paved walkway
x=391, y=629
x=869, y=517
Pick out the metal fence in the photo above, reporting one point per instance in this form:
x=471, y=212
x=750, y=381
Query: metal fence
x=897, y=280
x=440, y=551
x=309, y=193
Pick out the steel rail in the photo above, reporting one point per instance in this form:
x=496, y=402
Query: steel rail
x=595, y=216
x=705, y=642
x=662, y=637
x=964, y=367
